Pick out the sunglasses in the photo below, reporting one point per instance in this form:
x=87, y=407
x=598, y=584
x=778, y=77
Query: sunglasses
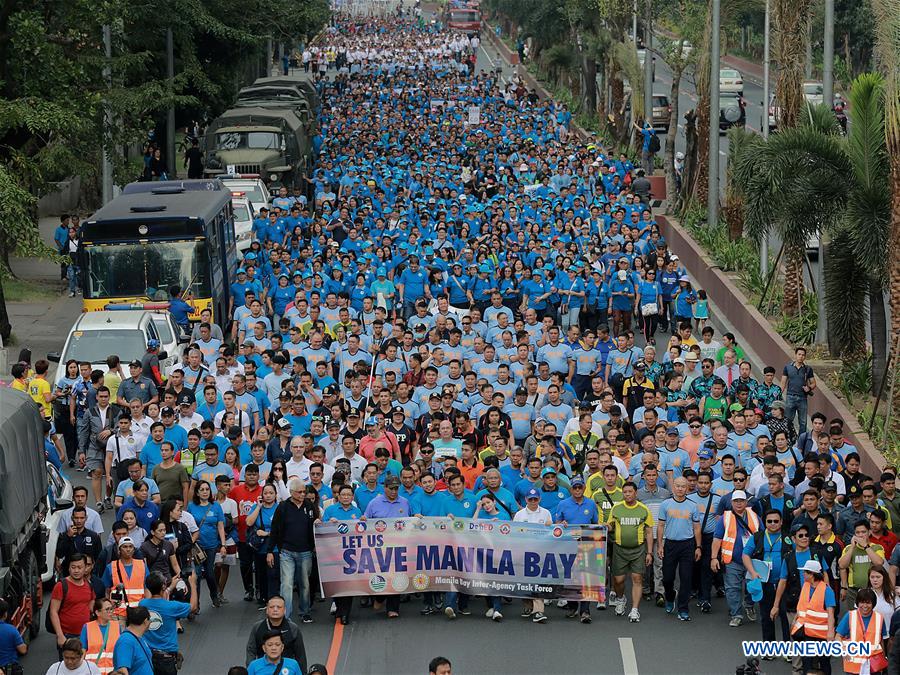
x=772, y=522
x=695, y=426
x=800, y=535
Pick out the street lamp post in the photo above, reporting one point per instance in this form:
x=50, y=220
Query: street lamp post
x=828, y=55
x=107, y=169
x=712, y=212
x=170, y=122
x=764, y=240
x=648, y=68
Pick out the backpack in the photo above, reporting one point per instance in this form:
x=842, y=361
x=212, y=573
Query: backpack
x=653, y=146
x=48, y=624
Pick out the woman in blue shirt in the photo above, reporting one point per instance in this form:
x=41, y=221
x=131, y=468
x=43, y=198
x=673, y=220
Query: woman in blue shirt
x=344, y=509
x=259, y=520
x=650, y=303
x=211, y=523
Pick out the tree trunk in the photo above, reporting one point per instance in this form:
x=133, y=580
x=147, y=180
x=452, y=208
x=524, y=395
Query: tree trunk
x=793, y=280
x=618, y=102
x=589, y=85
x=700, y=187
x=791, y=35
x=878, y=328
x=894, y=272
x=5, y=326
x=671, y=194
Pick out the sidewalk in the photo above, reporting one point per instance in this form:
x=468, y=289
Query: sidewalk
x=41, y=324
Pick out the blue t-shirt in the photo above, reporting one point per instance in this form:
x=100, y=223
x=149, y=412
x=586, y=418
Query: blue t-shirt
x=338, y=512
x=163, y=634
x=133, y=653
x=679, y=519
x=9, y=640
x=207, y=518
x=262, y=666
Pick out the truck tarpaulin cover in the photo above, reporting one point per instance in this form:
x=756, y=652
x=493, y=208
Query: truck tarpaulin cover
x=23, y=469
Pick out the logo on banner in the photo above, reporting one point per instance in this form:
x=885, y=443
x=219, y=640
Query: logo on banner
x=360, y=526
x=557, y=531
x=380, y=526
x=343, y=528
x=399, y=525
x=504, y=528
x=420, y=582
x=377, y=583
x=458, y=525
x=400, y=582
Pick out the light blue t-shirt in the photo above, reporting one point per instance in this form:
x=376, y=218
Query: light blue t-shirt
x=679, y=519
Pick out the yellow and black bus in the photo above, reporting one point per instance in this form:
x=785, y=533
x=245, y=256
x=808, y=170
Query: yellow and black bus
x=161, y=235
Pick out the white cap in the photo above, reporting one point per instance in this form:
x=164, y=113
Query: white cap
x=124, y=541
x=812, y=566
x=738, y=494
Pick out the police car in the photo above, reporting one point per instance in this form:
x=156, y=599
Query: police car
x=251, y=185
x=243, y=219
x=123, y=332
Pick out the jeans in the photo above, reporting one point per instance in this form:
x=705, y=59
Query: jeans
x=73, y=275
x=208, y=569
x=678, y=556
x=268, y=582
x=456, y=600
x=570, y=318
x=796, y=405
x=296, y=566
x=734, y=587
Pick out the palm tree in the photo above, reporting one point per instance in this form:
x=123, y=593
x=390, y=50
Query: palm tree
x=791, y=20
x=789, y=183
x=887, y=52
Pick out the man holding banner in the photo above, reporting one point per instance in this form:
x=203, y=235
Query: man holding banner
x=577, y=510
x=389, y=505
x=534, y=513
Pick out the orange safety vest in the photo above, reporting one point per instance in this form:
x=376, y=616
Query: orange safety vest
x=100, y=651
x=731, y=532
x=134, y=585
x=872, y=635
x=812, y=616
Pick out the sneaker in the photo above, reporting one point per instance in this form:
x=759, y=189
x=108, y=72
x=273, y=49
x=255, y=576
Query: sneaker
x=465, y=611
x=751, y=612
x=333, y=609
x=670, y=607
x=705, y=608
x=620, y=606
x=684, y=616
x=223, y=600
x=634, y=616
x=539, y=617
x=248, y=596
x=735, y=621
x=720, y=592
x=427, y=610
x=72, y=294
x=449, y=613
x=99, y=507
x=107, y=503
x=217, y=602
x=601, y=606
x=572, y=613
x=307, y=618
x=561, y=603
x=526, y=613
x=585, y=618
x=660, y=600
x=498, y=617
x=489, y=613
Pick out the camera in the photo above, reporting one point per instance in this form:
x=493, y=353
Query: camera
x=117, y=595
x=750, y=667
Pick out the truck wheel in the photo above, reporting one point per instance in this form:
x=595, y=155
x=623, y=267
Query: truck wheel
x=31, y=578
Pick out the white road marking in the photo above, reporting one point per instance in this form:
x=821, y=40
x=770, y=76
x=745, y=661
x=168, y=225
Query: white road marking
x=629, y=659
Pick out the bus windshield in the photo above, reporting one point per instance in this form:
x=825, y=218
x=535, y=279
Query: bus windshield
x=253, y=140
x=465, y=16
x=147, y=269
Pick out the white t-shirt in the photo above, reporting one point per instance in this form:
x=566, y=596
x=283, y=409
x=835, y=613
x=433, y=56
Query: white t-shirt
x=540, y=516
x=357, y=464
x=86, y=668
x=229, y=508
x=298, y=469
x=188, y=521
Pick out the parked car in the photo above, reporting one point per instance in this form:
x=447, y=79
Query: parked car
x=814, y=92
x=731, y=81
x=253, y=188
x=59, y=498
x=243, y=219
x=125, y=332
x=732, y=111
x=660, y=114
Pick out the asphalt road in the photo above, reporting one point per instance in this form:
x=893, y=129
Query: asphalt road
x=372, y=644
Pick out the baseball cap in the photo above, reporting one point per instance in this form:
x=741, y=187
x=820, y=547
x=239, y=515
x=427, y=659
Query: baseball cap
x=532, y=494
x=738, y=494
x=854, y=491
x=521, y=391
x=577, y=480
x=679, y=360
x=370, y=422
x=548, y=470
x=184, y=399
x=168, y=410
x=135, y=364
x=672, y=431
x=353, y=413
x=704, y=453
x=830, y=485
x=639, y=365
x=391, y=480
x=397, y=410
x=435, y=395
x=333, y=424
x=125, y=541
x=283, y=423
x=812, y=566
x=331, y=389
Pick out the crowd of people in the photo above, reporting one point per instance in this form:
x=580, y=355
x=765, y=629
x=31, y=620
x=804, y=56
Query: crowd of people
x=470, y=320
